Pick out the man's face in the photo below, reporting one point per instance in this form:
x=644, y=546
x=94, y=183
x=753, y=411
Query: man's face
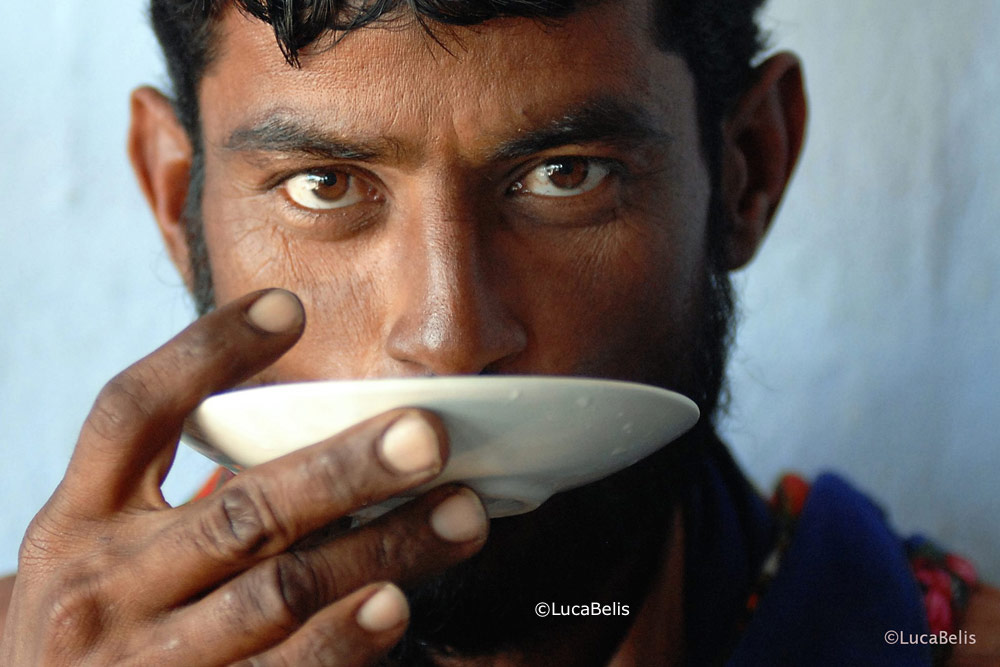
x=518, y=198
x=533, y=201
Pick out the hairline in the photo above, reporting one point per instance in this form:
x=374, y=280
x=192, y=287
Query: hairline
x=213, y=42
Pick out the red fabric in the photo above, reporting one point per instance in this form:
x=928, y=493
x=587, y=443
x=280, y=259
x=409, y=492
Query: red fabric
x=218, y=478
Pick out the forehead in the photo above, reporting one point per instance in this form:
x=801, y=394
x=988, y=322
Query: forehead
x=479, y=84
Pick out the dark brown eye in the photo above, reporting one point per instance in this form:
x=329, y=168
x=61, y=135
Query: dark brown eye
x=563, y=177
x=567, y=174
x=330, y=186
x=327, y=189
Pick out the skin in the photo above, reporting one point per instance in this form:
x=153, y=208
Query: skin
x=445, y=265
x=443, y=275
x=448, y=272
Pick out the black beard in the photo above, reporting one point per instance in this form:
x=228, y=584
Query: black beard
x=603, y=538
x=599, y=543
x=583, y=545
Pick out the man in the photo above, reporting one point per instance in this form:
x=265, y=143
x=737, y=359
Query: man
x=451, y=189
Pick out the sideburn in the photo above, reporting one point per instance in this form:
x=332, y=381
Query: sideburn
x=202, y=287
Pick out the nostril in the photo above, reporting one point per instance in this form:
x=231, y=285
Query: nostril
x=492, y=368
x=467, y=352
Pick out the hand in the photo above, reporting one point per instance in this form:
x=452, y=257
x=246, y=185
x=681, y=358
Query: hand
x=109, y=573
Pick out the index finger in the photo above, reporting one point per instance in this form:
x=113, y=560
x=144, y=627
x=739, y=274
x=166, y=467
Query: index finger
x=130, y=436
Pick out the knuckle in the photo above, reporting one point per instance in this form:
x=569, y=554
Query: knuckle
x=387, y=553
x=399, y=550
x=288, y=593
x=122, y=404
x=338, y=475
x=52, y=534
x=76, y=613
x=38, y=545
x=384, y=551
x=239, y=524
x=327, y=472
x=201, y=342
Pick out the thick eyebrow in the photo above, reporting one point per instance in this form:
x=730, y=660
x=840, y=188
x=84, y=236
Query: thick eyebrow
x=606, y=120
x=280, y=133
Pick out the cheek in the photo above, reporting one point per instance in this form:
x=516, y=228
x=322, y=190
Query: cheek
x=336, y=283
x=608, y=301
x=623, y=299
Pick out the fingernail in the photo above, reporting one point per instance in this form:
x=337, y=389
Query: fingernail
x=460, y=518
x=277, y=311
x=384, y=610
x=410, y=445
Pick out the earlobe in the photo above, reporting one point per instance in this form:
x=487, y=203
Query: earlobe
x=161, y=155
x=762, y=139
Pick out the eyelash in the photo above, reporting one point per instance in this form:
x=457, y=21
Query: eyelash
x=615, y=169
x=279, y=184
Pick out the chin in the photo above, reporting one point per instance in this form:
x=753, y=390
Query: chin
x=601, y=542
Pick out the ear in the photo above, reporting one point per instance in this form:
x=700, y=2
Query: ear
x=762, y=139
x=160, y=152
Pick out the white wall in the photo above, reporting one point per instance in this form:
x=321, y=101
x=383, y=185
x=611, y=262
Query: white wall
x=85, y=288
x=867, y=342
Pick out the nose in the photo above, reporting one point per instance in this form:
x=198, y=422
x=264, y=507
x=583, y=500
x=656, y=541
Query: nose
x=448, y=314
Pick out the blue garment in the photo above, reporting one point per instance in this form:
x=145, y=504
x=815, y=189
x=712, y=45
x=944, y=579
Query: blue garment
x=842, y=585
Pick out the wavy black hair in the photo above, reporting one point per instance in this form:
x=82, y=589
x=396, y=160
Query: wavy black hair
x=718, y=39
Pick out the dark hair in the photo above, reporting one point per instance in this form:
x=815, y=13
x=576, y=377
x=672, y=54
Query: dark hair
x=717, y=38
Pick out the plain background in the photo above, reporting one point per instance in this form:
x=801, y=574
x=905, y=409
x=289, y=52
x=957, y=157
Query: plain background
x=868, y=337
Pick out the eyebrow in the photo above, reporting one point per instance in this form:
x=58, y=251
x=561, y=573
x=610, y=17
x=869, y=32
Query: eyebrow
x=281, y=132
x=602, y=119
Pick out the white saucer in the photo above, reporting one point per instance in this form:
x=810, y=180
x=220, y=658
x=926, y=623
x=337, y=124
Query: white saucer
x=516, y=440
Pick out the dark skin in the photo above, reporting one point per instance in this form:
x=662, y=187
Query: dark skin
x=452, y=248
